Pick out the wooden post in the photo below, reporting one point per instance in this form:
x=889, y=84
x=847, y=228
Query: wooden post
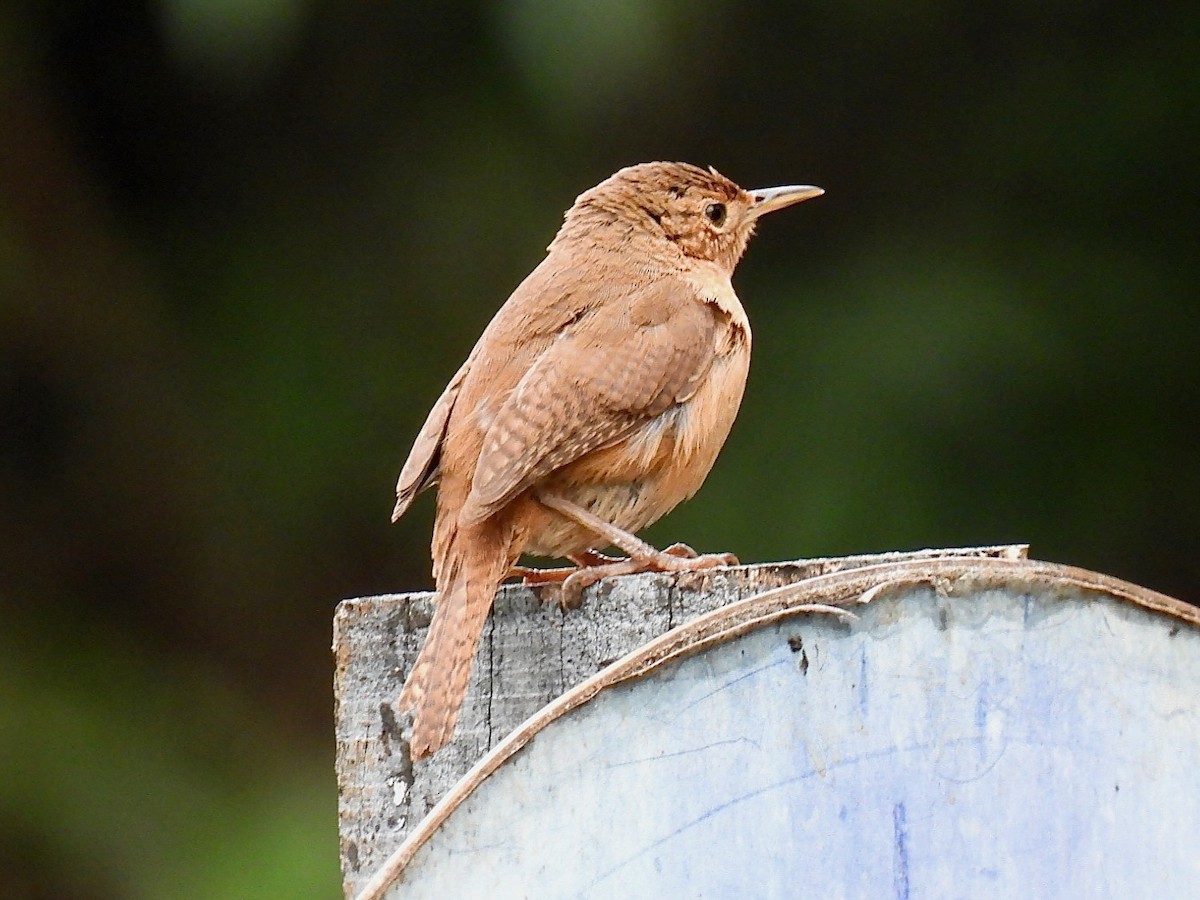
x=532, y=652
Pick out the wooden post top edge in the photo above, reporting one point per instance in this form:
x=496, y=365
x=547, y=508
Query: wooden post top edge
x=798, y=567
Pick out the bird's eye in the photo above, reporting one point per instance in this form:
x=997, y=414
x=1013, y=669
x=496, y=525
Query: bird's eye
x=715, y=213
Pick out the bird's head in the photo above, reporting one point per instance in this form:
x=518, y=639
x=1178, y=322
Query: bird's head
x=668, y=209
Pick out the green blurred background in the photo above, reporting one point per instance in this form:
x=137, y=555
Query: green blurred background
x=244, y=243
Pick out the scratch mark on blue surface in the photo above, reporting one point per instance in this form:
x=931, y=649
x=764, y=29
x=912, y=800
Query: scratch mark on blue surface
x=728, y=684
x=900, y=851
x=469, y=849
x=687, y=826
x=986, y=764
x=677, y=753
x=767, y=789
x=862, y=681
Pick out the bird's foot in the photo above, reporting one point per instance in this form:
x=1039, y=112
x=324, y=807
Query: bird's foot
x=676, y=558
x=531, y=575
x=682, y=558
x=642, y=556
x=590, y=566
x=587, y=575
x=683, y=551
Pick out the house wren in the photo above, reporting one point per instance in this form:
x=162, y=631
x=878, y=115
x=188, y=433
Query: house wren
x=595, y=401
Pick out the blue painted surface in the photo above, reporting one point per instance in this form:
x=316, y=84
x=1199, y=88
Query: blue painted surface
x=997, y=745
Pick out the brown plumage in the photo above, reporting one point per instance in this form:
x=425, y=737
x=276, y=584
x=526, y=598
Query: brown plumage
x=595, y=401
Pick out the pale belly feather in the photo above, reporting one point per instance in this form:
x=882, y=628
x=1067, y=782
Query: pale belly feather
x=643, y=477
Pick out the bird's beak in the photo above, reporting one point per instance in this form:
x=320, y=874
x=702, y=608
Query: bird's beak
x=770, y=199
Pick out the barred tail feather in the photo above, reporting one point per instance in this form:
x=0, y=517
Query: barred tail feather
x=437, y=684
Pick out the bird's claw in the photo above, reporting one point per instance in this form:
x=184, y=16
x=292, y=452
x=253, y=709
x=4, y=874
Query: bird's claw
x=683, y=551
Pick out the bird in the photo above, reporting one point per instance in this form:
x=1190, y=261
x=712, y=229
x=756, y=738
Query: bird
x=595, y=401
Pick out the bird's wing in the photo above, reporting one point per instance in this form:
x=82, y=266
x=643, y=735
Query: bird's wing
x=421, y=468
x=624, y=363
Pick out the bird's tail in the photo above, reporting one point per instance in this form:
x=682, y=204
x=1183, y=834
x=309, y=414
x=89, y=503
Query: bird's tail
x=437, y=683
